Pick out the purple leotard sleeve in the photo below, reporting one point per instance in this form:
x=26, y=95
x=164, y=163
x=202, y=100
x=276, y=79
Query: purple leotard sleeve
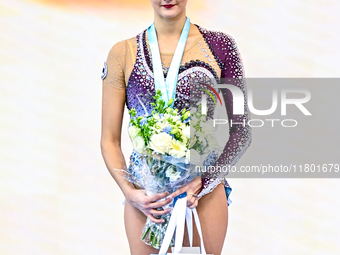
x=227, y=55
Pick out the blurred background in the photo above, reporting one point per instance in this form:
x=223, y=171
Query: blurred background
x=56, y=195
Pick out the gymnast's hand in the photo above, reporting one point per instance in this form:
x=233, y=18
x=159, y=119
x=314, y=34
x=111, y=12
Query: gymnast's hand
x=192, y=189
x=148, y=204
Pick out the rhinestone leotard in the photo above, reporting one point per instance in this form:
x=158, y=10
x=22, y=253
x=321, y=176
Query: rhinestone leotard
x=213, y=55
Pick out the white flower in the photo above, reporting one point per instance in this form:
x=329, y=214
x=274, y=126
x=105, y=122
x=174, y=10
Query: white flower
x=186, y=132
x=178, y=149
x=200, y=135
x=184, y=140
x=162, y=125
x=134, y=132
x=195, y=157
x=172, y=174
x=212, y=140
x=208, y=127
x=203, y=118
x=176, y=118
x=193, y=110
x=160, y=142
x=139, y=144
x=193, y=120
x=167, y=115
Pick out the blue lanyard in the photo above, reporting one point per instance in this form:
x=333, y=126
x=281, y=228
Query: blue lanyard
x=168, y=85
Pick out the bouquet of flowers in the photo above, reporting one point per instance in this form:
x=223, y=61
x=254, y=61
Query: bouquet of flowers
x=163, y=132
x=163, y=142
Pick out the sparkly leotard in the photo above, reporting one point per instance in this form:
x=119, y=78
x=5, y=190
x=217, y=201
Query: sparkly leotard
x=213, y=55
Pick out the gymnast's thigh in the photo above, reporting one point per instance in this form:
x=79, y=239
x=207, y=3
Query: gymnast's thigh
x=134, y=221
x=212, y=211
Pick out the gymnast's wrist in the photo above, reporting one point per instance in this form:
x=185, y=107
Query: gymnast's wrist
x=128, y=189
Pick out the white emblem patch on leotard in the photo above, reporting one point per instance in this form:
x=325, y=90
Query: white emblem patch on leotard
x=104, y=72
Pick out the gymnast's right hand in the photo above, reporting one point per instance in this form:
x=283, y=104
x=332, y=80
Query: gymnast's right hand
x=148, y=204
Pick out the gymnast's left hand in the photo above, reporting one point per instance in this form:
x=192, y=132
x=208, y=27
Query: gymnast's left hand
x=192, y=189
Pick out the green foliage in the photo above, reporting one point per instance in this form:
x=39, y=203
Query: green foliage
x=159, y=103
x=132, y=112
x=147, y=129
x=159, y=108
x=176, y=132
x=170, y=102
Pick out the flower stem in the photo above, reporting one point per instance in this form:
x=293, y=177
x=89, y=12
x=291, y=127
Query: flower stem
x=146, y=233
x=153, y=240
